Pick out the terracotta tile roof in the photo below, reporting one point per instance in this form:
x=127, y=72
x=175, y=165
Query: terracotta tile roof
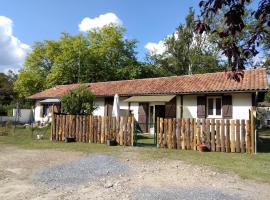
x=254, y=80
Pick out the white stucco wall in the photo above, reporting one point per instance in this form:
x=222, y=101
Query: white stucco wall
x=100, y=102
x=26, y=115
x=241, y=102
x=37, y=111
x=189, y=106
x=134, y=107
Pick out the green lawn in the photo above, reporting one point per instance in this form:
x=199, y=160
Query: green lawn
x=248, y=166
x=264, y=131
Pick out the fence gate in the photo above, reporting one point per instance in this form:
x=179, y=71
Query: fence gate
x=145, y=134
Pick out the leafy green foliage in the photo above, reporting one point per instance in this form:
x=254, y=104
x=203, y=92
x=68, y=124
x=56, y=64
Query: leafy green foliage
x=186, y=52
x=78, y=101
x=6, y=87
x=101, y=55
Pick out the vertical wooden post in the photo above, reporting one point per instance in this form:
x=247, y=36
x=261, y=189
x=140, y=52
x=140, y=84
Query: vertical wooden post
x=248, y=147
x=198, y=133
x=132, y=130
x=243, y=134
x=91, y=129
x=178, y=133
x=174, y=133
x=207, y=132
x=183, y=137
x=194, y=133
x=213, y=147
x=157, y=127
x=102, y=129
x=52, y=126
x=237, y=149
x=165, y=133
x=188, y=134
x=161, y=129
x=218, y=135
x=121, y=131
x=169, y=138
x=252, y=131
x=228, y=149
x=222, y=135
x=233, y=136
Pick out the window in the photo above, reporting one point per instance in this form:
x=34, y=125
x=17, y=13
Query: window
x=214, y=106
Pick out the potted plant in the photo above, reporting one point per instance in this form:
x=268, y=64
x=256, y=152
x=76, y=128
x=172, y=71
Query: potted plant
x=203, y=147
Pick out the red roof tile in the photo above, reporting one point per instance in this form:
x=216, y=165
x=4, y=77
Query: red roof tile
x=254, y=79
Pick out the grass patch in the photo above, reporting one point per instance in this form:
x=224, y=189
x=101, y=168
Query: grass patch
x=247, y=166
x=145, y=138
x=264, y=131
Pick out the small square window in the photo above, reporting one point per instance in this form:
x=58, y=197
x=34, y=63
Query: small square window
x=214, y=106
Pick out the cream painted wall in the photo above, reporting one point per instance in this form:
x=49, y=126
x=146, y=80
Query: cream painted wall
x=37, y=111
x=242, y=102
x=189, y=106
x=99, y=102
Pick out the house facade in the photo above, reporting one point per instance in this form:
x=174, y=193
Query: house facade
x=211, y=95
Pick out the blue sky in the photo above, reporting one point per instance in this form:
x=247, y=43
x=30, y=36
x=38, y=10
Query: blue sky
x=37, y=20
x=22, y=22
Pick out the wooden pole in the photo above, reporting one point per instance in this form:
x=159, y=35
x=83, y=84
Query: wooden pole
x=252, y=131
x=132, y=130
x=213, y=148
x=233, y=138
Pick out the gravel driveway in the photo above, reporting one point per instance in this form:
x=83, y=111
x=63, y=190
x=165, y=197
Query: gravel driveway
x=51, y=174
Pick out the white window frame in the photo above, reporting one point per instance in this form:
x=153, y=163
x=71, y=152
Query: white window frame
x=214, y=107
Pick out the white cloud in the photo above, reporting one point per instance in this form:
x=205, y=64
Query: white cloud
x=159, y=47
x=155, y=48
x=88, y=24
x=12, y=50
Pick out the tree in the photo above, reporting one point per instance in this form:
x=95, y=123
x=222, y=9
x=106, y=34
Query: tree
x=78, y=101
x=32, y=77
x=234, y=14
x=100, y=55
x=114, y=56
x=6, y=87
x=187, y=52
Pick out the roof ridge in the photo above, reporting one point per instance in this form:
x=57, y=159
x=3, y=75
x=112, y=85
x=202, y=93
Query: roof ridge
x=163, y=77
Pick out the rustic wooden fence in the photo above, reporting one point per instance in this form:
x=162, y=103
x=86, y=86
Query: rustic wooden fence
x=93, y=129
x=217, y=135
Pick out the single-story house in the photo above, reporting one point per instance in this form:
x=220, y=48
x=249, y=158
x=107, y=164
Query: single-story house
x=210, y=95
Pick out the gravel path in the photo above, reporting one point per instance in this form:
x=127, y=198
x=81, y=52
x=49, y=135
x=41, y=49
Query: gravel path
x=172, y=193
x=62, y=175
x=90, y=168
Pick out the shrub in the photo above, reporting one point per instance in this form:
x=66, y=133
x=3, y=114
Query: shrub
x=78, y=101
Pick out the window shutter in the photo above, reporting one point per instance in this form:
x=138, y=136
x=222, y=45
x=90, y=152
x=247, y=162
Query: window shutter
x=227, y=106
x=170, y=108
x=201, y=106
x=143, y=117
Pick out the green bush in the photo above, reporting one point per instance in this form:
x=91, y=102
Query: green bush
x=78, y=101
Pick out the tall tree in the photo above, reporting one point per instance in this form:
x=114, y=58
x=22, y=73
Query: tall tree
x=187, y=52
x=114, y=55
x=101, y=55
x=6, y=87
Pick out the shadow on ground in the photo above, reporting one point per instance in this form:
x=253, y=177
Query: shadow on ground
x=263, y=144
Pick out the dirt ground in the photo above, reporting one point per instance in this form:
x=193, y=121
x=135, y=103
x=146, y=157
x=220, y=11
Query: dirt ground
x=147, y=179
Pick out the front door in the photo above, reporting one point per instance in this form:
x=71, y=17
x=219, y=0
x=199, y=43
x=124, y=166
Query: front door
x=159, y=111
